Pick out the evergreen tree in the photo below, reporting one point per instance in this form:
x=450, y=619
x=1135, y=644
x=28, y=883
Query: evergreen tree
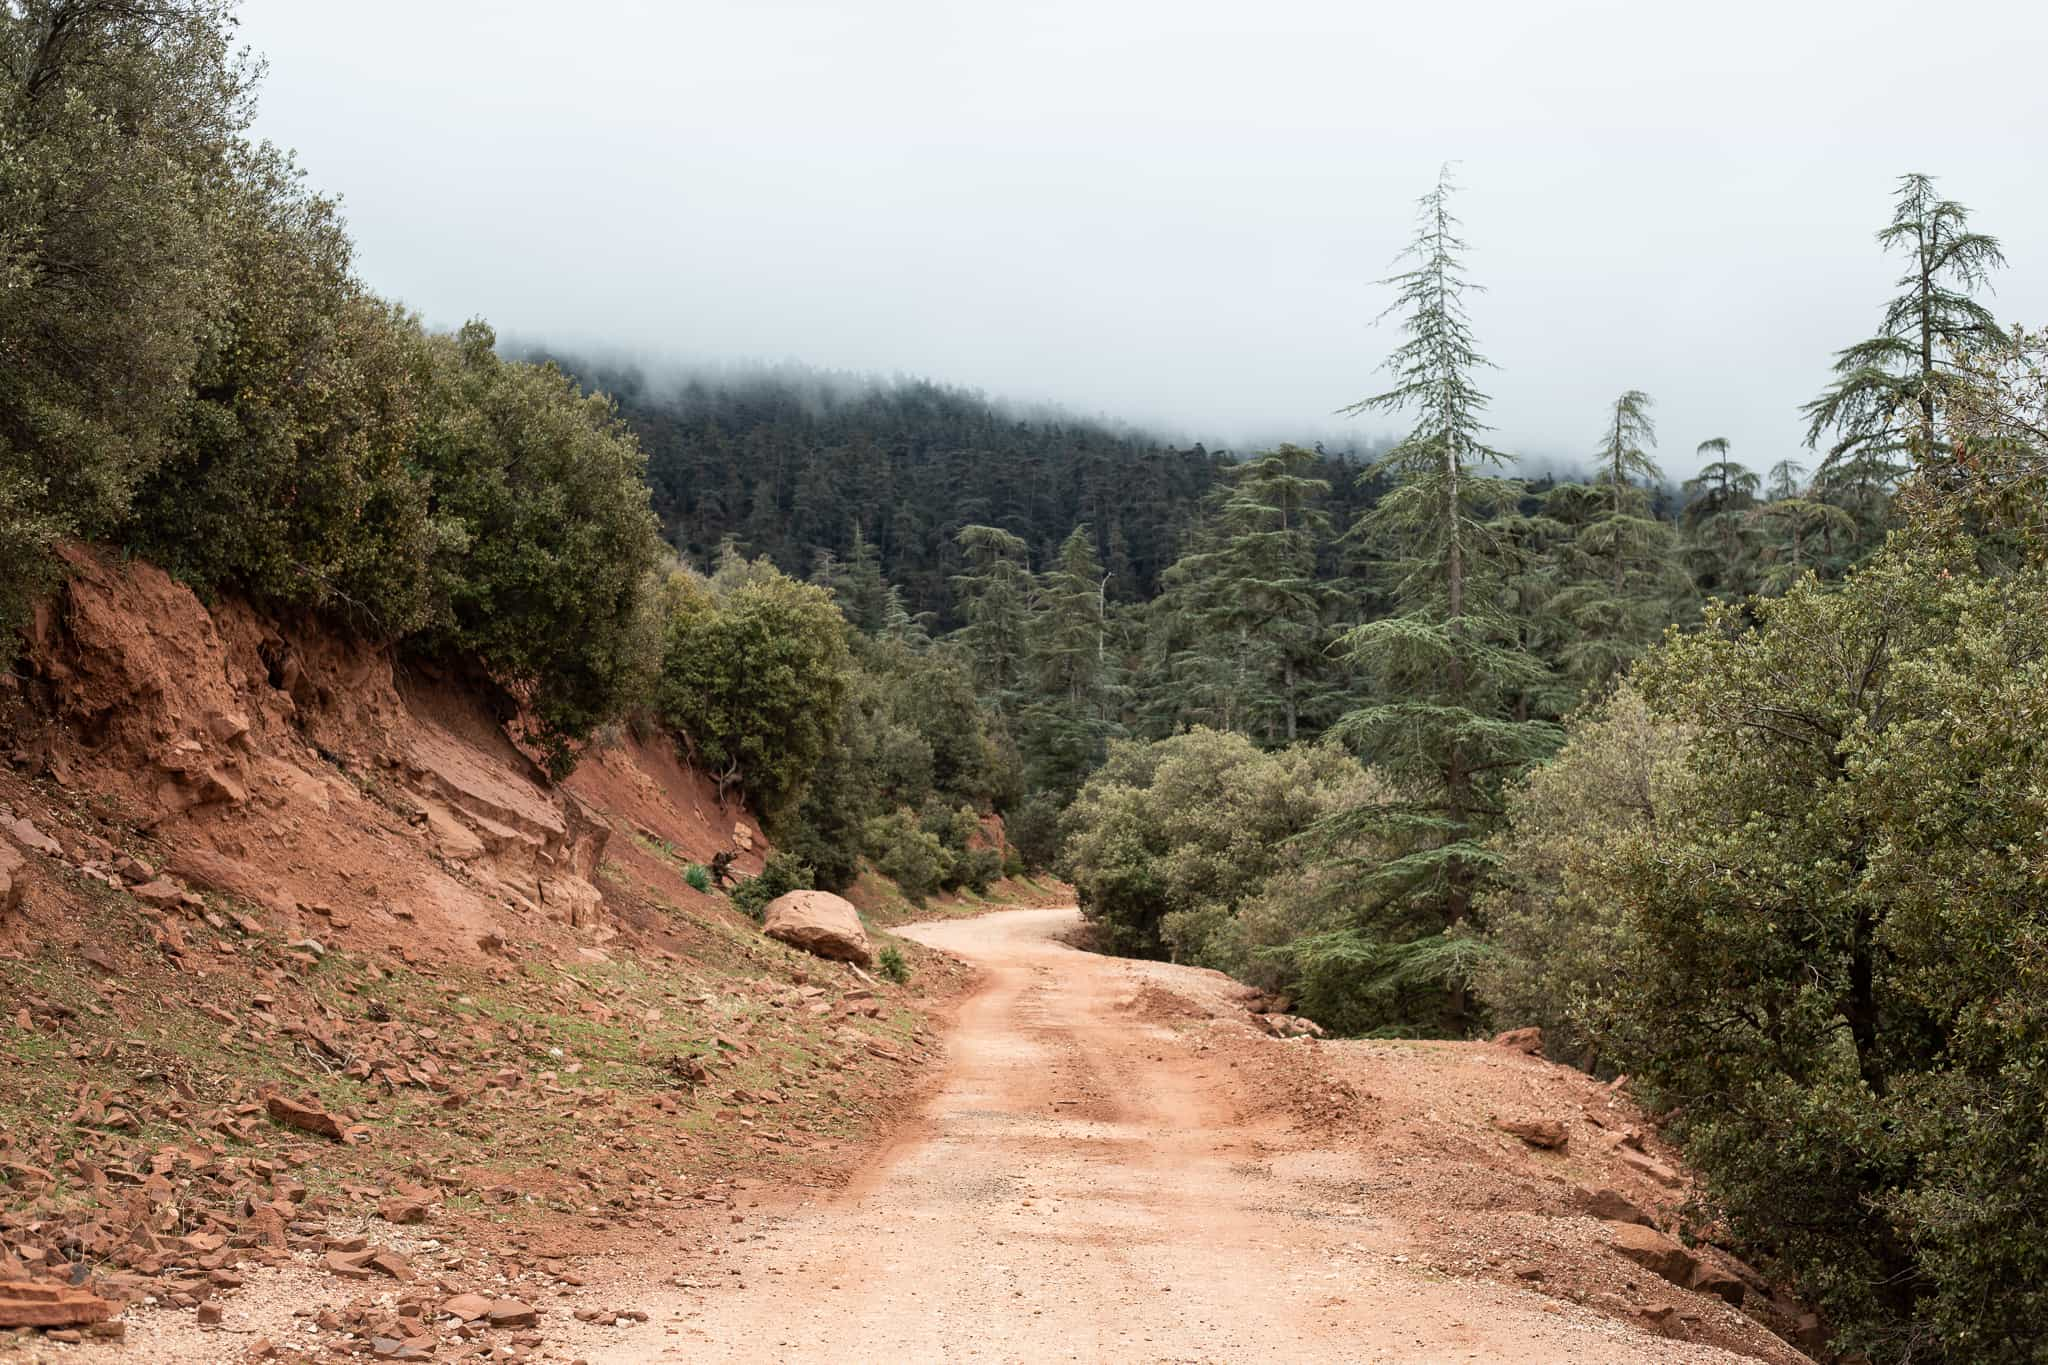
x=862, y=592
x=1445, y=669
x=1720, y=524
x=1618, y=579
x=1891, y=389
x=1189, y=675
x=1784, y=480
x=1066, y=722
x=900, y=625
x=1861, y=484
x=1803, y=535
x=995, y=598
x=1250, y=605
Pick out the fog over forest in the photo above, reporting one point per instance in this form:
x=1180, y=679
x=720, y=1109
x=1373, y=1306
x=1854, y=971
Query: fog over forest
x=1169, y=214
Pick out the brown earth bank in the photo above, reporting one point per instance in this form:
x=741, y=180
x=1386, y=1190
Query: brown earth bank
x=308, y=970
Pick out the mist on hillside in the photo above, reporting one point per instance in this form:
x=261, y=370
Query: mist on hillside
x=1173, y=215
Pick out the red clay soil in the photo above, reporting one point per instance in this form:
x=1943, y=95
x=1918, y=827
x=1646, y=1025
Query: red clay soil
x=318, y=779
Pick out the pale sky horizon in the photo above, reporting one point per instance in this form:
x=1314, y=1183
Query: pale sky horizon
x=1173, y=214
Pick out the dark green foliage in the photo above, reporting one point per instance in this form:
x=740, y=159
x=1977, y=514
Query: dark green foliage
x=912, y=732
x=1720, y=528
x=994, y=591
x=1617, y=581
x=294, y=475
x=1834, y=972
x=545, y=488
x=977, y=869
x=1173, y=841
x=754, y=675
x=780, y=875
x=1559, y=933
x=891, y=965
x=1033, y=831
x=1449, y=673
x=1067, y=719
x=958, y=831
x=117, y=121
x=698, y=876
x=908, y=854
x=793, y=462
x=1245, y=622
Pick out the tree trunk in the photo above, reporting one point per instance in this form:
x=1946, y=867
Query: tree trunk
x=1926, y=349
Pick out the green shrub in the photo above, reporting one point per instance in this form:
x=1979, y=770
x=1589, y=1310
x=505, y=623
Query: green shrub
x=977, y=869
x=1033, y=830
x=1559, y=930
x=755, y=676
x=292, y=476
x=892, y=965
x=1169, y=840
x=542, y=488
x=779, y=876
x=903, y=852
x=698, y=876
x=910, y=734
x=1834, y=973
x=119, y=142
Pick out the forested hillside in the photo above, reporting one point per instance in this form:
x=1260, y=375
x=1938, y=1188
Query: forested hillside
x=795, y=464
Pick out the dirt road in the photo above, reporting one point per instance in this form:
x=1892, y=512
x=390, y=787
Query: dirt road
x=1090, y=1185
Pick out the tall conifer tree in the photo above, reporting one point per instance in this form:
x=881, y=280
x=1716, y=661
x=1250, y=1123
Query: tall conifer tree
x=1445, y=669
x=1891, y=389
x=1066, y=722
x=1720, y=523
x=995, y=598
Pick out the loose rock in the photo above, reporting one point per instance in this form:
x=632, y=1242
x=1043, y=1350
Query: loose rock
x=1613, y=1206
x=1527, y=1040
x=308, y=1118
x=50, y=1305
x=1548, y=1134
x=1654, y=1252
x=12, y=866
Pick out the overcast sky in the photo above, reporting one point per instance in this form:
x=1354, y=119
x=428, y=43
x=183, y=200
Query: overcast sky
x=1174, y=211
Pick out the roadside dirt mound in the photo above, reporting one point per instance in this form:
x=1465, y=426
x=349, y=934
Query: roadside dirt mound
x=1515, y=1168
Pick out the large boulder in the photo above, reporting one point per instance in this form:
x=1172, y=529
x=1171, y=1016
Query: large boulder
x=818, y=922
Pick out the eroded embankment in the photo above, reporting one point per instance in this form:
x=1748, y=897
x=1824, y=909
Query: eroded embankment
x=326, y=1009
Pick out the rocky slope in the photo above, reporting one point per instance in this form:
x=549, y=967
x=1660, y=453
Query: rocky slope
x=307, y=966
